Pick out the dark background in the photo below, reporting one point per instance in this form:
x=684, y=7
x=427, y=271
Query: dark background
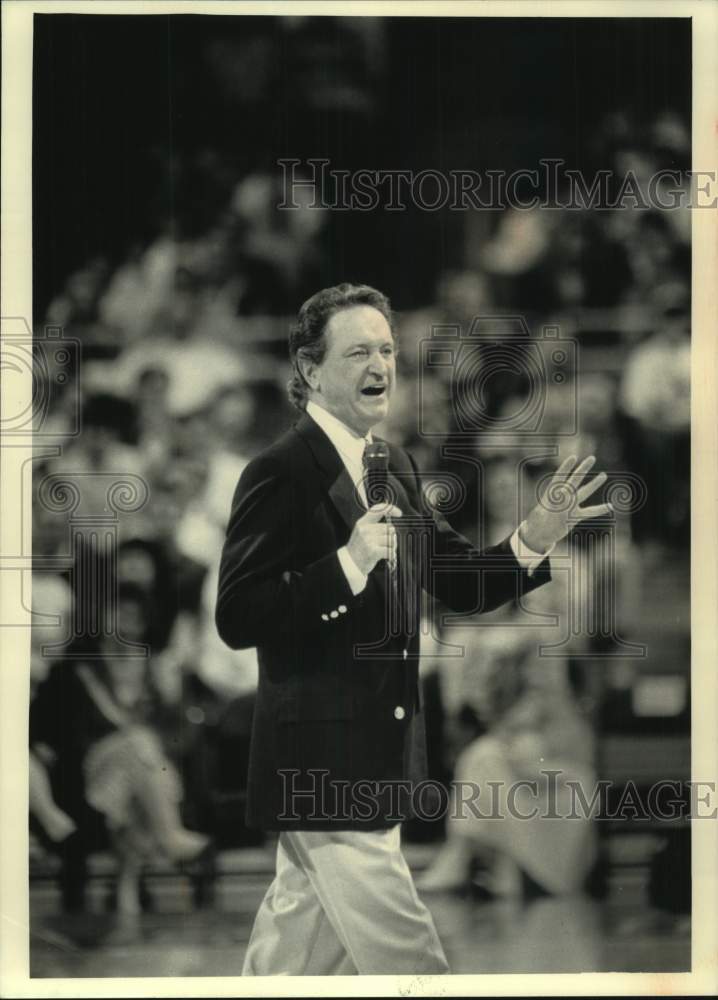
x=141, y=120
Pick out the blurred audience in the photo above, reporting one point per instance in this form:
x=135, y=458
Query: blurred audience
x=182, y=382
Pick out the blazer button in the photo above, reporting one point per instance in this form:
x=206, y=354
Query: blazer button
x=399, y=712
x=342, y=609
x=405, y=653
x=325, y=618
x=333, y=614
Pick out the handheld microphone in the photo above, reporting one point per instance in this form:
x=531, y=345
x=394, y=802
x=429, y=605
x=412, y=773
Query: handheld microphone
x=378, y=490
x=376, y=464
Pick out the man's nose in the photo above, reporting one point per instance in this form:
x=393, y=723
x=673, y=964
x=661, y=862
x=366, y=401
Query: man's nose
x=378, y=365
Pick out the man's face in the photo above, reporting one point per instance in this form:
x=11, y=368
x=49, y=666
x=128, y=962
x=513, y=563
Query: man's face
x=356, y=379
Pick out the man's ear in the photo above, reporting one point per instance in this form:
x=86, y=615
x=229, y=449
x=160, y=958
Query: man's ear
x=309, y=370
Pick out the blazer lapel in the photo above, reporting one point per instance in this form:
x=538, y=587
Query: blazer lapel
x=337, y=480
x=343, y=495
x=399, y=494
x=403, y=603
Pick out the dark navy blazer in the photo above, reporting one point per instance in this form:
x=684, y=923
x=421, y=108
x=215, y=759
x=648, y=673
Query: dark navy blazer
x=338, y=730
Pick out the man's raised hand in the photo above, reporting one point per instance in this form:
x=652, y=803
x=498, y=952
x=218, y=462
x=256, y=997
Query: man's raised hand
x=559, y=508
x=373, y=539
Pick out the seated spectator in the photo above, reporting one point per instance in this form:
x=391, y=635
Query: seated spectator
x=529, y=724
x=76, y=309
x=655, y=397
x=55, y=822
x=154, y=423
x=95, y=718
x=180, y=346
x=170, y=584
x=106, y=444
x=51, y=605
x=152, y=559
x=226, y=448
x=541, y=732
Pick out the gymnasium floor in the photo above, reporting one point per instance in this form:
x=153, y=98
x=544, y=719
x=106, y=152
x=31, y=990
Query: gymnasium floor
x=619, y=934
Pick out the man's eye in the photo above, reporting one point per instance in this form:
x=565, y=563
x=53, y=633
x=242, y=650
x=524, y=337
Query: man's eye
x=388, y=352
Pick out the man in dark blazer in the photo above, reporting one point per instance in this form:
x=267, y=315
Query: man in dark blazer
x=327, y=586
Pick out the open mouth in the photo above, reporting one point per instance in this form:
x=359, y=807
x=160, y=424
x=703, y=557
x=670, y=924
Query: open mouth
x=374, y=390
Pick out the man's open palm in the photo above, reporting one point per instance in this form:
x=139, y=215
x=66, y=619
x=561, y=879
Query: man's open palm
x=559, y=508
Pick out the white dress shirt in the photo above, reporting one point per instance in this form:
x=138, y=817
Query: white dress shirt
x=351, y=451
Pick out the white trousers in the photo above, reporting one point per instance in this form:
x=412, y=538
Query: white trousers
x=342, y=903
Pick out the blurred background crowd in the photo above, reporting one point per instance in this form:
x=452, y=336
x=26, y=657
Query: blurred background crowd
x=179, y=277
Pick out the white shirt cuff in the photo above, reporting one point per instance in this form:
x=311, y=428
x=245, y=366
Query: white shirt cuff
x=527, y=558
x=355, y=578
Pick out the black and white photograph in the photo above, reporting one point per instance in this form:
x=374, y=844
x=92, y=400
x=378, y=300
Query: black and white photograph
x=359, y=564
